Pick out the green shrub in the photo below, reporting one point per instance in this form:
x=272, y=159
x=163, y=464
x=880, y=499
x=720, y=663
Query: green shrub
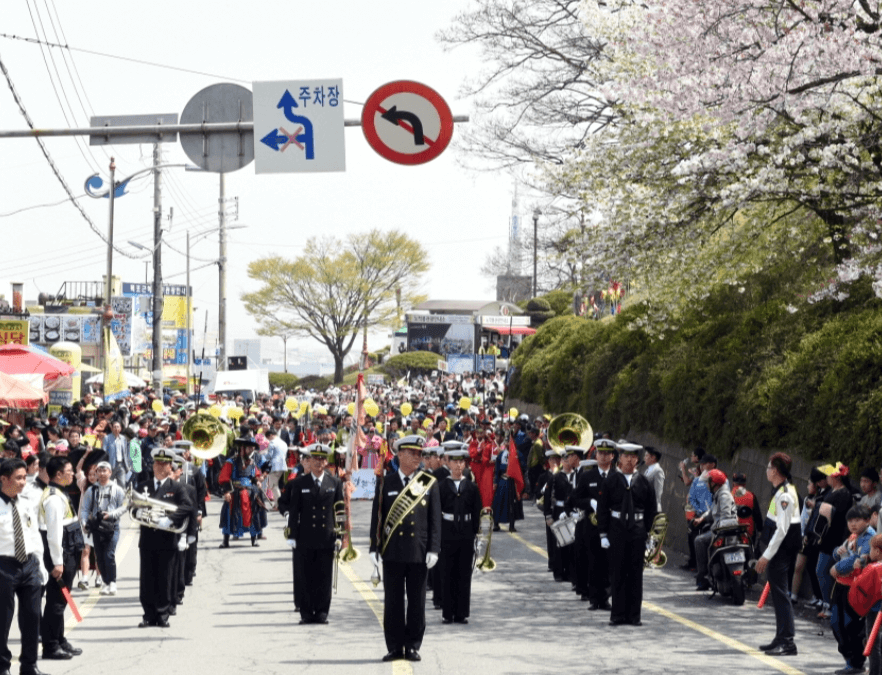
x=286, y=381
x=417, y=363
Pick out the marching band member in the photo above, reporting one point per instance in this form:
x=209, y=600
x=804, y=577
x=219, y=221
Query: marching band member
x=555, y=509
x=312, y=533
x=460, y=520
x=158, y=545
x=624, y=517
x=406, y=538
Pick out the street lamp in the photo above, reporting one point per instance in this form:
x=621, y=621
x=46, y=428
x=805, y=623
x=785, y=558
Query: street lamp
x=536, y=214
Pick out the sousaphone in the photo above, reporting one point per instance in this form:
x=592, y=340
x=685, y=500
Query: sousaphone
x=570, y=429
x=208, y=435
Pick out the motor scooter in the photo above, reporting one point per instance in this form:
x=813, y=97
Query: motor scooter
x=730, y=555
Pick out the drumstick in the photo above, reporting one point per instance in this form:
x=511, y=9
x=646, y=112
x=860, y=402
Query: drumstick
x=873, y=634
x=764, y=596
x=70, y=601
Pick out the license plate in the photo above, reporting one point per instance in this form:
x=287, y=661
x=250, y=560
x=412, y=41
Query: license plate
x=736, y=557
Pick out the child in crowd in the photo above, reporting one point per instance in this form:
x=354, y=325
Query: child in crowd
x=848, y=626
x=874, y=571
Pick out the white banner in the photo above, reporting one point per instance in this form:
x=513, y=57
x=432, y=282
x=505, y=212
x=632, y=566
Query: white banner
x=365, y=482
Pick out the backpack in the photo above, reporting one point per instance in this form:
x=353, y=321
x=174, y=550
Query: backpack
x=866, y=590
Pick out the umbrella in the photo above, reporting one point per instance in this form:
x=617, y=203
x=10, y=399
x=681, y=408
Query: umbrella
x=20, y=395
x=19, y=360
x=132, y=380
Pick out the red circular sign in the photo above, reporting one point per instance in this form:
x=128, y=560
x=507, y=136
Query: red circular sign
x=407, y=122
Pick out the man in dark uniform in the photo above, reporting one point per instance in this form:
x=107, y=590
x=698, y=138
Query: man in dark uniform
x=460, y=520
x=179, y=566
x=312, y=533
x=555, y=508
x=625, y=513
x=195, y=478
x=157, y=545
x=432, y=465
x=284, y=503
x=586, y=496
x=582, y=545
x=543, y=494
x=406, y=538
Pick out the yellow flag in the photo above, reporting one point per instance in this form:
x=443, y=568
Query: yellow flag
x=114, y=376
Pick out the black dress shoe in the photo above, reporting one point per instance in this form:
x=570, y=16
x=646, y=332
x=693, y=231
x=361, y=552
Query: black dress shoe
x=412, y=655
x=70, y=649
x=32, y=670
x=637, y=623
x=584, y=597
x=172, y=611
x=145, y=624
x=617, y=622
x=305, y=621
x=57, y=654
x=226, y=544
x=496, y=528
x=774, y=643
x=593, y=607
x=605, y=606
x=783, y=649
x=511, y=529
x=446, y=620
x=162, y=623
x=394, y=655
x=702, y=586
x=321, y=618
x=463, y=620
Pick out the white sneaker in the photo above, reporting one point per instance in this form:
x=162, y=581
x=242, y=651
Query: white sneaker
x=105, y=590
x=112, y=588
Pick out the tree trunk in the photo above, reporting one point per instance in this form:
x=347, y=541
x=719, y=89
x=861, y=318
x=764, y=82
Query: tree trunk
x=338, y=368
x=836, y=228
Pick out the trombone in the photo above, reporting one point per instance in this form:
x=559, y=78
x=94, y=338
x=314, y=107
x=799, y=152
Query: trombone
x=483, y=561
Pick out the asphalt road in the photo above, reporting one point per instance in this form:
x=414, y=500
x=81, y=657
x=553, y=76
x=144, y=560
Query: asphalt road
x=238, y=617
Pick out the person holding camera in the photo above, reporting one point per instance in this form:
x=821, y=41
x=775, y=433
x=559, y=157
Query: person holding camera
x=103, y=505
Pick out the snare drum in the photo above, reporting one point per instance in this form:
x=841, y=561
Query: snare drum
x=564, y=531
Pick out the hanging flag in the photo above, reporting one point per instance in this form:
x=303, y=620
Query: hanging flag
x=514, y=467
x=357, y=439
x=114, y=376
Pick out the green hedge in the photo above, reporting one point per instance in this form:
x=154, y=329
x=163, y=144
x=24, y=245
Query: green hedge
x=416, y=362
x=742, y=369
x=286, y=381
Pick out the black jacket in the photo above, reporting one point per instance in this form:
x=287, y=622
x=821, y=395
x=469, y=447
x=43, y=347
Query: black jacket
x=419, y=532
x=613, y=497
x=557, y=490
x=311, y=512
x=172, y=493
x=460, y=511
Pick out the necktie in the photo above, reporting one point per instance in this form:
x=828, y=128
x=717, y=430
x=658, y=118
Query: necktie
x=629, y=504
x=21, y=553
x=406, y=480
x=158, y=483
x=602, y=475
x=318, y=484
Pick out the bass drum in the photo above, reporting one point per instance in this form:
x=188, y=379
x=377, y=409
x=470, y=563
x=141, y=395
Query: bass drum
x=564, y=531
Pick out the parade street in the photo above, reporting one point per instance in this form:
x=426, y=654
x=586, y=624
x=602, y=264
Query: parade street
x=239, y=617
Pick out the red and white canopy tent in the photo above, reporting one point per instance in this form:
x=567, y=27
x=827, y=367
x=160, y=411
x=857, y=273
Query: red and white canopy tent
x=19, y=395
x=23, y=361
x=511, y=330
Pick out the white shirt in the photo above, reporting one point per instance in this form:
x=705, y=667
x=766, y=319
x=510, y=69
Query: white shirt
x=405, y=479
x=27, y=513
x=628, y=477
x=318, y=480
x=54, y=517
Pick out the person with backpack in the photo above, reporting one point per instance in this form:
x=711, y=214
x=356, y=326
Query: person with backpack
x=865, y=598
x=102, y=506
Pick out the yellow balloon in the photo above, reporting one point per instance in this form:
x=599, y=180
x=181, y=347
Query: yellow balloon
x=513, y=413
x=215, y=410
x=379, y=426
x=235, y=413
x=406, y=409
x=465, y=403
x=304, y=406
x=291, y=404
x=351, y=408
x=427, y=422
x=157, y=405
x=371, y=408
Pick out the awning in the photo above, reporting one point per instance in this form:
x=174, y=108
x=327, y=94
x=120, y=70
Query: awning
x=512, y=330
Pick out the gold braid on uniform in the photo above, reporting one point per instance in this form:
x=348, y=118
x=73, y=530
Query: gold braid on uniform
x=404, y=503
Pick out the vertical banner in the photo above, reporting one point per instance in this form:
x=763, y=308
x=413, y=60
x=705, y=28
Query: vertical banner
x=114, y=376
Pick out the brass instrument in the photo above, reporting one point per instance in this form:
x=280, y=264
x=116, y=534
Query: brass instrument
x=570, y=429
x=339, y=530
x=210, y=437
x=654, y=556
x=483, y=561
x=147, y=511
x=404, y=503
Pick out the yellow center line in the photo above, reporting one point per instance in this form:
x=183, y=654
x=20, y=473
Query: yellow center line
x=367, y=594
x=777, y=664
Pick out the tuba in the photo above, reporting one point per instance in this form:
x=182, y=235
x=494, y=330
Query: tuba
x=571, y=429
x=654, y=556
x=147, y=512
x=208, y=435
x=483, y=561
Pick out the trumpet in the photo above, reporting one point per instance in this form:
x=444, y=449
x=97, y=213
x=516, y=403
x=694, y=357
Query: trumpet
x=147, y=511
x=483, y=561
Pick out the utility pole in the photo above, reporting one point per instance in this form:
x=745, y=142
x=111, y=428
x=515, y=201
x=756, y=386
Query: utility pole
x=536, y=214
x=222, y=280
x=157, y=272
x=189, y=310
x=109, y=287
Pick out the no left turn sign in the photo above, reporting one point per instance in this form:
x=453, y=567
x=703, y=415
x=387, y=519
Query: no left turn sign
x=407, y=122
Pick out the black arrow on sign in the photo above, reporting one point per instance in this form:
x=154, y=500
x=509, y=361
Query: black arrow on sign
x=394, y=116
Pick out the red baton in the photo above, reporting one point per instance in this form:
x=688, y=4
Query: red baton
x=764, y=596
x=873, y=634
x=70, y=603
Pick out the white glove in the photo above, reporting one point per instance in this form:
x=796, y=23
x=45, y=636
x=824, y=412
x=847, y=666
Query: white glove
x=164, y=523
x=292, y=543
x=376, y=559
x=594, y=505
x=182, y=544
x=338, y=545
x=562, y=516
x=431, y=559
x=604, y=542
x=191, y=539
